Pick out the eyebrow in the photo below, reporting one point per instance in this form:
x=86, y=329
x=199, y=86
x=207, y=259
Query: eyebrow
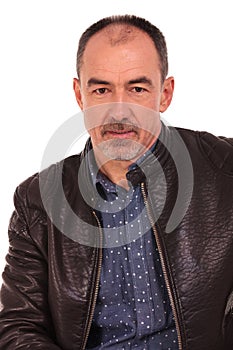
x=141, y=80
x=95, y=81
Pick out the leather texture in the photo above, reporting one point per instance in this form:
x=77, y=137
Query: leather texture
x=50, y=279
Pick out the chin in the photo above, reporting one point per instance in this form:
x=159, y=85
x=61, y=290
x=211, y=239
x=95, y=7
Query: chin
x=121, y=149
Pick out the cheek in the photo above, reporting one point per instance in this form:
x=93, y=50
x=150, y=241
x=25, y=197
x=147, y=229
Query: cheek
x=145, y=135
x=95, y=116
x=155, y=103
x=149, y=127
x=95, y=135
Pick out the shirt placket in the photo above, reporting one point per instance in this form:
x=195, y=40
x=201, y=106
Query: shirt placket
x=139, y=268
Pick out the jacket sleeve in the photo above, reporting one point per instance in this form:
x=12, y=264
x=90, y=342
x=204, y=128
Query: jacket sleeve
x=25, y=320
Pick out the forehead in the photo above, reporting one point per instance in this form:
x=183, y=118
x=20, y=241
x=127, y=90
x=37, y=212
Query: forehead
x=119, y=46
x=119, y=34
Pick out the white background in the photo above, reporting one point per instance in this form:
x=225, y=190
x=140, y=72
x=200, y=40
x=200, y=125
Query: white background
x=39, y=40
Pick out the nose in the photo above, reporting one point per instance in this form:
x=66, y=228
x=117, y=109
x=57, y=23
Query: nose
x=119, y=111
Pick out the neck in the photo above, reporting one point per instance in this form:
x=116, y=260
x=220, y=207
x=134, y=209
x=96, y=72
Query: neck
x=115, y=170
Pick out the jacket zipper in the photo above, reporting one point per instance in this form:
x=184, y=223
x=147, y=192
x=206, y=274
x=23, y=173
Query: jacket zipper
x=163, y=266
x=91, y=314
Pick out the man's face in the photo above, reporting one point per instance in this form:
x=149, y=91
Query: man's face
x=121, y=94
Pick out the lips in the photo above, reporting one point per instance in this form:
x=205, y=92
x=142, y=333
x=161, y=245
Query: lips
x=119, y=129
x=120, y=134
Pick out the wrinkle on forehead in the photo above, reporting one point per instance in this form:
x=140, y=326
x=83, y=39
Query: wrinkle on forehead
x=119, y=69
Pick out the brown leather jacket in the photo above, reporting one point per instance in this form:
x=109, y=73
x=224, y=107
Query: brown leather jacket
x=50, y=282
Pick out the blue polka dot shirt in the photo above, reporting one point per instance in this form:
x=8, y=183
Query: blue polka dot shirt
x=133, y=308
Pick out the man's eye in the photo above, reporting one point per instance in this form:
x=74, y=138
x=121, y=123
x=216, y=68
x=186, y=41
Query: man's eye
x=100, y=91
x=138, y=89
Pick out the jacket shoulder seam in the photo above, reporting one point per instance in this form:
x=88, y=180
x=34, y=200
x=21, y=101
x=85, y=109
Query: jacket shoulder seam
x=220, y=168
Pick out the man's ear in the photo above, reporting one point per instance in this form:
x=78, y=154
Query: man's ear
x=77, y=91
x=167, y=93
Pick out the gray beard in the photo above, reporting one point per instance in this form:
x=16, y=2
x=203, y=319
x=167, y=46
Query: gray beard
x=121, y=149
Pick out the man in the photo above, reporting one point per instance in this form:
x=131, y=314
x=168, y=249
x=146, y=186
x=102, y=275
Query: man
x=129, y=244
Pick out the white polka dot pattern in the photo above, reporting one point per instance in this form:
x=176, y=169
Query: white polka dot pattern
x=133, y=308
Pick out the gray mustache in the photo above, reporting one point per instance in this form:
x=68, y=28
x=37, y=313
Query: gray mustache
x=124, y=125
